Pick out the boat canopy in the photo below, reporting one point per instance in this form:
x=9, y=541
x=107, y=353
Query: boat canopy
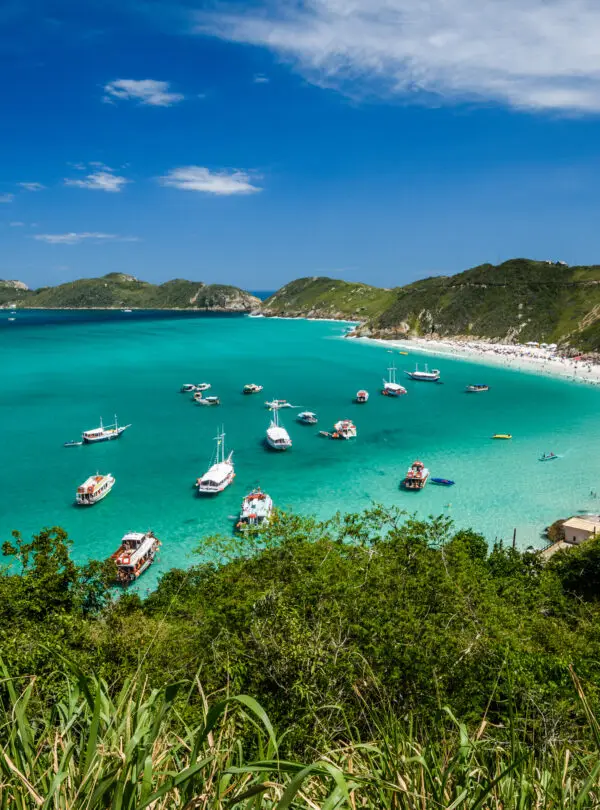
x=139, y=553
x=217, y=474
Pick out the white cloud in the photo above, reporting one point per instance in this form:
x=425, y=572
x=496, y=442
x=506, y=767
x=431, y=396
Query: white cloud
x=6, y=198
x=260, y=78
x=529, y=54
x=146, y=91
x=99, y=181
x=74, y=238
x=32, y=186
x=16, y=224
x=198, y=178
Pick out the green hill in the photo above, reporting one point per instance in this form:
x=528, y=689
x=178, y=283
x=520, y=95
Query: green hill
x=117, y=290
x=517, y=301
x=323, y=297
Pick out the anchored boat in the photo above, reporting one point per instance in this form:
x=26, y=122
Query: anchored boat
x=476, y=389
x=187, y=388
x=104, y=433
x=221, y=472
x=274, y=404
x=257, y=509
x=307, y=418
x=424, y=376
x=502, y=436
x=135, y=554
x=391, y=388
x=416, y=476
x=548, y=457
x=252, y=388
x=200, y=400
x=344, y=429
x=442, y=482
x=277, y=436
x=94, y=489
x=362, y=396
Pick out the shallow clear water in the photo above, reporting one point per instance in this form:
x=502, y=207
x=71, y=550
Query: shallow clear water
x=61, y=371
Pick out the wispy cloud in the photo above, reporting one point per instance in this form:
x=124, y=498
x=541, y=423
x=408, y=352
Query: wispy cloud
x=6, y=198
x=260, y=78
x=529, y=54
x=99, y=181
x=199, y=178
x=145, y=91
x=75, y=238
x=32, y=186
x=16, y=224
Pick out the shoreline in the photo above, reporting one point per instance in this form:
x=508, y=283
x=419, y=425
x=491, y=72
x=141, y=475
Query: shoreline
x=515, y=357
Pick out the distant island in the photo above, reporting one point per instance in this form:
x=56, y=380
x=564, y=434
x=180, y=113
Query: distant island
x=118, y=290
x=517, y=301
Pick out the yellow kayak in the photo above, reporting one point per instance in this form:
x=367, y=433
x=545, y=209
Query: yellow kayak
x=402, y=352
x=502, y=436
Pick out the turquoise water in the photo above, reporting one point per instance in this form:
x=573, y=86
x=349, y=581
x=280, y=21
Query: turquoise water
x=62, y=371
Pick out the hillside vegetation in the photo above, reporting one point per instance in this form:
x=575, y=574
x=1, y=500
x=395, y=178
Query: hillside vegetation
x=117, y=290
x=321, y=297
x=517, y=301
x=415, y=666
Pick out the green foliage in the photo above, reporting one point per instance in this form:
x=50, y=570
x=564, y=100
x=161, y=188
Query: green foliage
x=519, y=299
x=117, y=290
x=362, y=628
x=323, y=297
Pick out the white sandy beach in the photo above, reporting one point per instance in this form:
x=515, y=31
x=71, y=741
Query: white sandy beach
x=511, y=356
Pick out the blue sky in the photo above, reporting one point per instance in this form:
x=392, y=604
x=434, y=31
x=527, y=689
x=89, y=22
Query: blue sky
x=252, y=143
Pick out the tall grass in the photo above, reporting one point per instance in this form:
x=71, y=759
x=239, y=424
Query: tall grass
x=93, y=751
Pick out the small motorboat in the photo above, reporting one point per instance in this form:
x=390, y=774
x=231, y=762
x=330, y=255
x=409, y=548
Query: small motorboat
x=307, y=418
x=72, y=443
x=502, y=436
x=200, y=400
x=187, y=388
x=548, y=457
x=12, y=319
x=279, y=403
x=344, y=429
x=202, y=386
x=442, y=482
x=405, y=353
x=476, y=389
x=252, y=388
x=362, y=396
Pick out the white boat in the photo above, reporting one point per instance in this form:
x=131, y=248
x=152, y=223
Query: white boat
x=274, y=404
x=362, y=396
x=187, y=388
x=424, y=376
x=257, y=508
x=416, y=476
x=307, y=418
x=252, y=388
x=391, y=388
x=104, y=433
x=200, y=400
x=476, y=389
x=202, y=386
x=135, y=554
x=344, y=429
x=256, y=315
x=94, y=489
x=277, y=436
x=12, y=319
x=126, y=310
x=221, y=472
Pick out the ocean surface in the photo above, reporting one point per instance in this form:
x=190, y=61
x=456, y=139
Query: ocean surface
x=61, y=371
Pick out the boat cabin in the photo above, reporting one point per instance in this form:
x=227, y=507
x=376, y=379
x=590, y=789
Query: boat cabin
x=135, y=554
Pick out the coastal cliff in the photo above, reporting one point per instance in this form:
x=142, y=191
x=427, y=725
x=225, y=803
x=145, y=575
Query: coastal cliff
x=514, y=302
x=117, y=290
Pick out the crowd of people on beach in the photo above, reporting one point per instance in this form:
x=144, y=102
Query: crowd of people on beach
x=539, y=358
